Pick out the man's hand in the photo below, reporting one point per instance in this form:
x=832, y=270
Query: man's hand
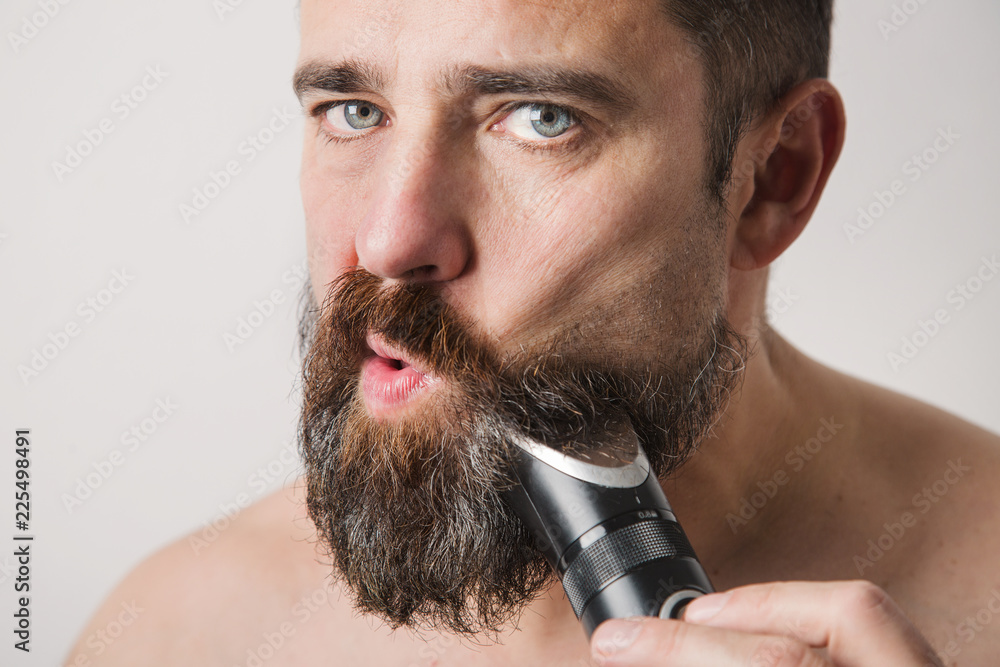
x=795, y=624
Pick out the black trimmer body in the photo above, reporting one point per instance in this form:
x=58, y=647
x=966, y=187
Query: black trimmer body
x=599, y=515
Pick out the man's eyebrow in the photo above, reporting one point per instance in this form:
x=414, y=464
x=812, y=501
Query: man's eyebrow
x=349, y=76
x=353, y=76
x=543, y=80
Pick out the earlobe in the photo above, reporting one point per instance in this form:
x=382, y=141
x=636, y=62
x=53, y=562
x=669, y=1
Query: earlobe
x=782, y=167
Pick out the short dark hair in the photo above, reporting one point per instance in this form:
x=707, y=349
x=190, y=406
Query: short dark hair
x=752, y=52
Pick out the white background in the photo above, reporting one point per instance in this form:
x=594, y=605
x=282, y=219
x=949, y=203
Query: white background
x=162, y=337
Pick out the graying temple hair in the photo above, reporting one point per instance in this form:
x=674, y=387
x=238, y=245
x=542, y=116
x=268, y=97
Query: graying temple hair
x=752, y=53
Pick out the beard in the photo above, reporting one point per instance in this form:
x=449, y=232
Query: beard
x=410, y=511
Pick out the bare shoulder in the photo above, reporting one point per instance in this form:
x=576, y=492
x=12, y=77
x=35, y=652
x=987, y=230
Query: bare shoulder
x=944, y=460
x=933, y=546
x=257, y=588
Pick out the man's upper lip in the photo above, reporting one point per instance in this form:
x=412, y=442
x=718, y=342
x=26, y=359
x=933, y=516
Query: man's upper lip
x=386, y=350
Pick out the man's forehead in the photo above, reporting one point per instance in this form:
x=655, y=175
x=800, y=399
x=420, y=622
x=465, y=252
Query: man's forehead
x=616, y=41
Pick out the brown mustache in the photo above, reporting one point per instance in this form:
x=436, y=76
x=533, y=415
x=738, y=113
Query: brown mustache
x=414, y=319
x=540, y=393
x=419, y=323
x=410, y=316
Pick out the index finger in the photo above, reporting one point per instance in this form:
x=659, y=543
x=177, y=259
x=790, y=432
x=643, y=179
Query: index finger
x=856, y=621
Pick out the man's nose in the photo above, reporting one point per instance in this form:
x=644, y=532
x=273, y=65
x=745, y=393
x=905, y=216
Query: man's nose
x=415, y=230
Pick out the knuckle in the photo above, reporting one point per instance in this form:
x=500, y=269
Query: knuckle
x=752, y=598
x=866, y=602
x=763, y=602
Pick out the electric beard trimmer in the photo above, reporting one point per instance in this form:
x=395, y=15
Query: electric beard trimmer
x=599, y=515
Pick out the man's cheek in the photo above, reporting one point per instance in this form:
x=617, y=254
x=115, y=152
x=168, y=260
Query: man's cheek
x=532, y=301
x=519, y=296
x=329, y=253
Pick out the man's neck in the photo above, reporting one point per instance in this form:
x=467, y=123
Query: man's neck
x=754, y=469
x=788, y=410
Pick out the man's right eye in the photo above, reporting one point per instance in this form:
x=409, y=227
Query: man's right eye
x=342, y=119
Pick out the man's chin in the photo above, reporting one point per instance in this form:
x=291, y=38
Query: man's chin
x=416, y=528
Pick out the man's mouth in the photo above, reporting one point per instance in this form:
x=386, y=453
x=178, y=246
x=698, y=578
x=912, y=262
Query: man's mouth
x=389, y=378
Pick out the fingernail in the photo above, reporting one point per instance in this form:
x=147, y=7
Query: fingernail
x=614, y=637
x=705, y=607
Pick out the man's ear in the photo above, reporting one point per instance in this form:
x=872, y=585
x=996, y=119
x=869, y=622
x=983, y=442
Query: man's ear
x=781, y=168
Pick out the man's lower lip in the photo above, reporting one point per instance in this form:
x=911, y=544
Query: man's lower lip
x=387, y=388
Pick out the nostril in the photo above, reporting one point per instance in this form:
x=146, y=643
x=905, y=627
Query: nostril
x=424, y=272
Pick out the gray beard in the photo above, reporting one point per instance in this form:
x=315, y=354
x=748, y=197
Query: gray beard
x=411, y=513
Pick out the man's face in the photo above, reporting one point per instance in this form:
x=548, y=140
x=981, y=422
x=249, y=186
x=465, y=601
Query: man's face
x=519, y=244
x=606, y=227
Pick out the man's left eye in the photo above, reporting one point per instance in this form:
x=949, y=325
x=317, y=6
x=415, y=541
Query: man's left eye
x=348, y=117
x=534, y=119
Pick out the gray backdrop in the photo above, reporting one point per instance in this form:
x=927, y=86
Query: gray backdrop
x=122, y=310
